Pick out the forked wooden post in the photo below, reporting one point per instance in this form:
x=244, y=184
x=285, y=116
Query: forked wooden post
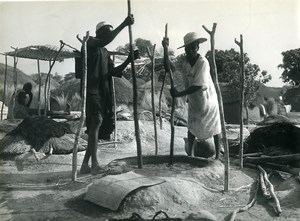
x=241, y=151
x=166, y=59
x=83, y=105
x=134, y=86
x=220, y=101
x=152, y=58
x=4, y=87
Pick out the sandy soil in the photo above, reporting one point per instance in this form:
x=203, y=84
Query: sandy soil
x=44, y=190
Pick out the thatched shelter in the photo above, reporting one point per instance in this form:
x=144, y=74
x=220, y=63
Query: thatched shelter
x=40, y=53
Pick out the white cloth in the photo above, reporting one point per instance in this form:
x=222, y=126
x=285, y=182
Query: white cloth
x=203, y=110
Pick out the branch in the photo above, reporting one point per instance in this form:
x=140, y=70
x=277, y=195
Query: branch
x=277, y=208
x=79, y=39
x=213, y=29
x=249, y=205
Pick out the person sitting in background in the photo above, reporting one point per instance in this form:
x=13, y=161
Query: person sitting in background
x=20, y=102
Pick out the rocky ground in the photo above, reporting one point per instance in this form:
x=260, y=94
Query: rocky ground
x=44, y=190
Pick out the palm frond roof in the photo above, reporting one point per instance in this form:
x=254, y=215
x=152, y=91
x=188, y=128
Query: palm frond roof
x=43, y=52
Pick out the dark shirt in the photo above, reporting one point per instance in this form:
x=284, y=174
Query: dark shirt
x=99, y=65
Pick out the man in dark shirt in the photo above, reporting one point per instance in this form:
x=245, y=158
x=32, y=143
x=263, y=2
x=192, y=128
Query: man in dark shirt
x=100, y=70
x=21, y=100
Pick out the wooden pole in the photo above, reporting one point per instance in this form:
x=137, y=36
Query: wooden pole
x=4, y=87
x=241, y=151
x=40, y=85
x=115, y=108
x=83, y=106
x=48, y=88
x=166, y=59
x=152, y=58
x=160, y=97
x=47, y=81
x=220, y=100
x=134, y=86
x=15, y=79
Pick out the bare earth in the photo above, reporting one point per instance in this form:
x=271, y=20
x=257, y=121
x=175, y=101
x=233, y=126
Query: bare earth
x=44, y=190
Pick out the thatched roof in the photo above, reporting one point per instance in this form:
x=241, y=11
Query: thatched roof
x=43, y=52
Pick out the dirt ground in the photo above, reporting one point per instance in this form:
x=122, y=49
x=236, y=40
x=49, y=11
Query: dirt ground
x=44, y=190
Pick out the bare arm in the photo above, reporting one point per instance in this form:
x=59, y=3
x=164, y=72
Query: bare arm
x=188, y=91
x=117, y=71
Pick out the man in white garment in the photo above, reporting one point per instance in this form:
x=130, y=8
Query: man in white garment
x=203, y=109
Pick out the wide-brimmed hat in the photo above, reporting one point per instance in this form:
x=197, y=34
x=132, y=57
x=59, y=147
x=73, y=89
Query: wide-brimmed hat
x=190, y=38
x=102, y=24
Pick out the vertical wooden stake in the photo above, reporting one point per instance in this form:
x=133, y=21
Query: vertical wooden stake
x=4, y=87
x=241, y=151
x=134, y=85
x=83, y=105
x=152, y=58
x=115, y=108
x=15, y=78
x=220, y=101
x=166, y=59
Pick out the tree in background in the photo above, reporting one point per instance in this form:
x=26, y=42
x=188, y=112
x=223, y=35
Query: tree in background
x=291, y=67
x=144, y=68
x=229, y=71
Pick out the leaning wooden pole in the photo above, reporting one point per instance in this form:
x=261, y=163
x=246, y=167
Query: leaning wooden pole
x=160, y=97
x=134, y=86
x=40, y=85
x=166, y=59
x=220, y=100
x=4, y=87
x=241, y=151
x=83, y=106
x=152, y=58
x=47, y=81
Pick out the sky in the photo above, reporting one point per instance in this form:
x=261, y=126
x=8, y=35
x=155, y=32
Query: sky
x=269, y=27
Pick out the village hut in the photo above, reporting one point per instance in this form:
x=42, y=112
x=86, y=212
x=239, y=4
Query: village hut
x=266, y=100
x=292, y=97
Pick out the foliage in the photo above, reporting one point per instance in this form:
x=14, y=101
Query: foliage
x=69, y=76
x=57, y=77
x=229, y=71
x=142, y=45
x=291, y=66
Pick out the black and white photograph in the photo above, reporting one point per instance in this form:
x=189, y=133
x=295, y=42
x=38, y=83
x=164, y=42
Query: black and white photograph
x=164, y=110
